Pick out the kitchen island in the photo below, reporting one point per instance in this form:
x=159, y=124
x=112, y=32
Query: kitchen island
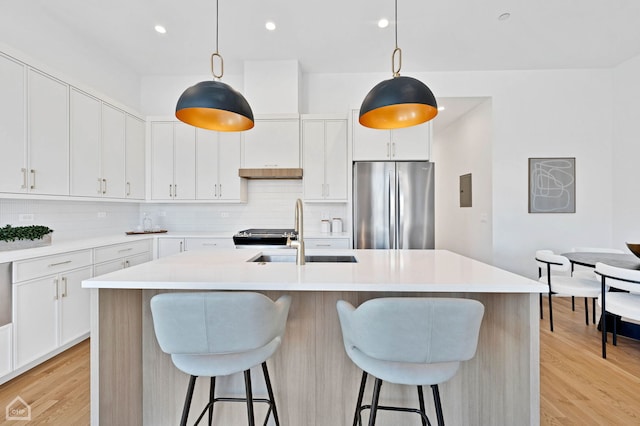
x=133, y=382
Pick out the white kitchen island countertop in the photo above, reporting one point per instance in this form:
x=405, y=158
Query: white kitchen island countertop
x=375, y=270
x=133, y=382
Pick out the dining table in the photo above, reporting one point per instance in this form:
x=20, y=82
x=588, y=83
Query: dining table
x=619, y=260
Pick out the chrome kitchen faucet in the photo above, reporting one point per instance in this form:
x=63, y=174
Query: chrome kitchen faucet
x=298, y=243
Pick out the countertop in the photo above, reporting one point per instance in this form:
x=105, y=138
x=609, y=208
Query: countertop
x=376, y=270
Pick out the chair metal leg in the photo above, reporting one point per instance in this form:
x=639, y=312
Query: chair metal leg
x=212, y=397
x=187, y=401
x=615, y=330
x=603, y=318
x=540, y=297
x=272, y=404
x=247, y=385
x=550, y=312
x=422, y=407
x=593, y=309
x=586, y=310
x=374, y=402
x=438, y=404
x=357, y=419
x=573, y=303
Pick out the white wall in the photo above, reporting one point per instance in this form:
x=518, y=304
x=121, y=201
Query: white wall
x=72, y=219
x=535, y=114
x=465, y=147
x=626, y=153
x=72, y=59
x=270, y=205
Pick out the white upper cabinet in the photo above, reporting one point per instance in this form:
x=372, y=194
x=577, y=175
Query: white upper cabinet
x=13, y=138
x=325, y=165
x=272, y=143
x=112, y=153
x=217, y=163
x=86, y=119
x=173, y=158
x=58, y=140
x=410, y=143
x=47, y=166
x=97, y=147
x=134, y=158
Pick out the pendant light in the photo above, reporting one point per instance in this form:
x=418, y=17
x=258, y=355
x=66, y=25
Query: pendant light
x=214, y=105
x=400, y=101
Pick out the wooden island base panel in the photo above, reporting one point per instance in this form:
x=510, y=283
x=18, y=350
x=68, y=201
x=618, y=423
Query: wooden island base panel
x=133, y=382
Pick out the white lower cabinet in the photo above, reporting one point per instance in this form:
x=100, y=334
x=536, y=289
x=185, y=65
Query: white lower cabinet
x=192, y=244
x=169, y=246
x=327, y=243
x=6, y=349
x=49, y=312
x=119, y=256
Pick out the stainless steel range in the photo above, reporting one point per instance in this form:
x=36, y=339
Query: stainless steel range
x=257, y=238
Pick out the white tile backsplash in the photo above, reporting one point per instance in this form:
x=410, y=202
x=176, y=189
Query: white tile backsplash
x=270, y=205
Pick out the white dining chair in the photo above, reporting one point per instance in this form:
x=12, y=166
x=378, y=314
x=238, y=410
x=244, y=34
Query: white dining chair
x=213, y=334
x=588, y=272
x=563, y=285
x=409, y=341
x=625, y=302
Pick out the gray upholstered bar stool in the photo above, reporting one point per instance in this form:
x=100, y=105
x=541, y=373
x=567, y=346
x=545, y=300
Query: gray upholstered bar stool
x=214, y=334
x=409, y=341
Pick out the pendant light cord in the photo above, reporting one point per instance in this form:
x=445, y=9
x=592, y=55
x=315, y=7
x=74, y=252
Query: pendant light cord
x=216, y=54
x=396, y=72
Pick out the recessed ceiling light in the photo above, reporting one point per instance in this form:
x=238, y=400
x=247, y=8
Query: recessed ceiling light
x=383, y=23
x=504, y=16
x=270, y=25
x=441, y=108
x=160, y=29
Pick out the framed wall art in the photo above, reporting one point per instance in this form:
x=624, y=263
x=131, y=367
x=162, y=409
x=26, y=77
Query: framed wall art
x=552, y=185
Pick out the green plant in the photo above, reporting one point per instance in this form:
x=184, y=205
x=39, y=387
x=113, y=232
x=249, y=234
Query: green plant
x=33, y=232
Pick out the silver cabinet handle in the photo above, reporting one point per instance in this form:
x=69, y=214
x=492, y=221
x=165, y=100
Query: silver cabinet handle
x=55, y=282
x=99, y=186
x=215, y=190
x=170, y=194
x=64, y=281
x=126, y=264
x=24, y=178
x=220, y=190
x=209, y=244
x=58, y=264
x=33, y=179
x=389, y=149
x=104, y=191
x=128, y=188
x=323, y=245
x=126, y=249
x=394, y=149
x=181, y=243
x=175, y=190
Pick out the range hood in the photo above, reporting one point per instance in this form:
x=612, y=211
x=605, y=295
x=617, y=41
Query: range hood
x=272, y=88
x=270, y=173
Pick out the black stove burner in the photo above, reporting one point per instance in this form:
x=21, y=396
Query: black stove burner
x=264, y=237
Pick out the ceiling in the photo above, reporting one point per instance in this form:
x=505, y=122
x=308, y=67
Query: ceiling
x=337, y=36
x=340, y=35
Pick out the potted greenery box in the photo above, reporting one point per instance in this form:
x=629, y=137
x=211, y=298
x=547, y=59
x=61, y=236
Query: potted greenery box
x=22, y=237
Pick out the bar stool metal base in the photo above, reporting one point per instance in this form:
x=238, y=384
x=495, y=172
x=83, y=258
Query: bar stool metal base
x=249, y=400
x=374, y=407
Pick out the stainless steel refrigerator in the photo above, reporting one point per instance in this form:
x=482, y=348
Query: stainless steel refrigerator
x=393, y=205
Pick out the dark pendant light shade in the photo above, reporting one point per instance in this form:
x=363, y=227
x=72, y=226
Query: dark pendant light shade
x=214, y=105
x=396, y=103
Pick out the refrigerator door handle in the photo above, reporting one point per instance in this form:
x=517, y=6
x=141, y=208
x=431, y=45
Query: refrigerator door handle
x=391, y=187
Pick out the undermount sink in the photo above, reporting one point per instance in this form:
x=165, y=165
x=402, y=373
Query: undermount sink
x=268, y=258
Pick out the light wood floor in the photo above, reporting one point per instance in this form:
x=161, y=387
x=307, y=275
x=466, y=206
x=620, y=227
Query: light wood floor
x=578, y=387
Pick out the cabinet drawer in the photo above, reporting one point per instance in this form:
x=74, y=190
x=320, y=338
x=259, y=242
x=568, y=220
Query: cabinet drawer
x=116, y=251
x=327, y=243
x=42, y=266
x=208, y=243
